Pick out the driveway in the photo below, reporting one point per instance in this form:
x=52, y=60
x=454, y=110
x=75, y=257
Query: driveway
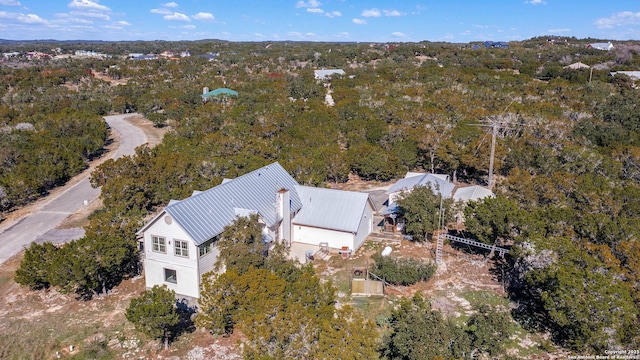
x=17, y=235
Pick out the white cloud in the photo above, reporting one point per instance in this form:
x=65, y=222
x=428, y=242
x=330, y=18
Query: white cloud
x=161, y=11
x=88, y=4
x=359, y=22
x=535, y=2
x=170, y=5
x=398, y=34
x=31, y=19
x=392, y=13
x=189, y=27
x=315, y=10
x=203, y=16
x=619, y=19
x=558, y=31
x=333, y=14
x=177, y=17
x=91, y=14
x=27, y=19
x=308, y=4
x=9, y=2
x=123, y=23
x=371, y=13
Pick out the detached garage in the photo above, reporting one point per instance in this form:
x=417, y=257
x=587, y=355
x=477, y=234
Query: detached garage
x=338, y=218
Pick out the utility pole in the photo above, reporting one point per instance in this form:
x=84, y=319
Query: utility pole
x=493, y=152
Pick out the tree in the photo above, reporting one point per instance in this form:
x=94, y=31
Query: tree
x=418, y=332
x=154, y=313
x=36, y=265
x=241, y=245
x=489, y=329
x=421, y=210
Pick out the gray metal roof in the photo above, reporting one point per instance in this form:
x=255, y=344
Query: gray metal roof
x=472, y=193
x=331, y=209
x=436, y=182
x=204, y=215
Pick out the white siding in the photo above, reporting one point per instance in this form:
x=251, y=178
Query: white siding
x=207, y=262
x=365, y=228
x=154, y=262
x=314, y=236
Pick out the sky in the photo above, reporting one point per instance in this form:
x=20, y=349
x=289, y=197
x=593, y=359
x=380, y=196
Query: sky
x=458, y=21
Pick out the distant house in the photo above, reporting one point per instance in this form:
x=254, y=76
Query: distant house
x=634, y=75
x=495, y=45
x=577, y=65
x=327, y=74
x=472, y=193
x=217, y=93
x=180, y=243
x=209, y=56
x=601, y=46
x=142, y=57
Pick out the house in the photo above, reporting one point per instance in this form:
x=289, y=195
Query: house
x=219, y=92
x=327, y=74
x=634, y=75
x=472, y=193
x=179, y=244
x=495, y=45
x=578, y=65
x=438, y=183
x=601, y=46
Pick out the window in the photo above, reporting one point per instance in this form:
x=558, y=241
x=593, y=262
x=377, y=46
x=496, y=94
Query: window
x=205, y=249
x=182, y=248
x=159, y=244
x=170, y=276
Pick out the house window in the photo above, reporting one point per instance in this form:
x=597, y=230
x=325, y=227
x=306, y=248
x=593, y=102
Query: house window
x=205, y=249
x=170, y=276
x=182, y=248
x=159, y=244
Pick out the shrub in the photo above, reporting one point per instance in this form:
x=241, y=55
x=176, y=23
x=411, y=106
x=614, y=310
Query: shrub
x=401, y=271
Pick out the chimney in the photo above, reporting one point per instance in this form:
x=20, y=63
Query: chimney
x=205, y=90
x=283, y=208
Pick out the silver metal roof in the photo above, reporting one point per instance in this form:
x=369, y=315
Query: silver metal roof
x=473, y=193
x=434, y=181
x=331, y=209
x=204, y=215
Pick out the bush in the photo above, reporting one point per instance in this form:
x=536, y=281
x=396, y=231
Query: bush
x=401, y=271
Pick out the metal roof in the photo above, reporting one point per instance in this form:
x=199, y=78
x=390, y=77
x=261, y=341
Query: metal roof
x=436, y=182
x=331, y=209
x=220, y=91
x=473, y=193
x=321, y=74
x=205, y=215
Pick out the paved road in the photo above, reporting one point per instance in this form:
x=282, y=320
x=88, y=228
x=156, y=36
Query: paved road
x=21, y=233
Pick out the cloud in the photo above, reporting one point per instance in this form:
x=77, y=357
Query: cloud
x=398, y=34
x=88, y=4
x=371, y=13
x=392, y=13
x=333, y=14
x=558, y=31
x=177, y=17
x=170, y=5
x=10, y=3
x=123, y=23
x=189, y=27
x=27, y=19
x=161, y=11
x=315, y=10
x=203, y=16
x=535, y=2
x=619, y=19
x=91, y=14
x=359, y=21
x=308, y=4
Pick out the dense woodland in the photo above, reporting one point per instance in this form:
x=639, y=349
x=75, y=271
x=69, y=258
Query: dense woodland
x=567, y=157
